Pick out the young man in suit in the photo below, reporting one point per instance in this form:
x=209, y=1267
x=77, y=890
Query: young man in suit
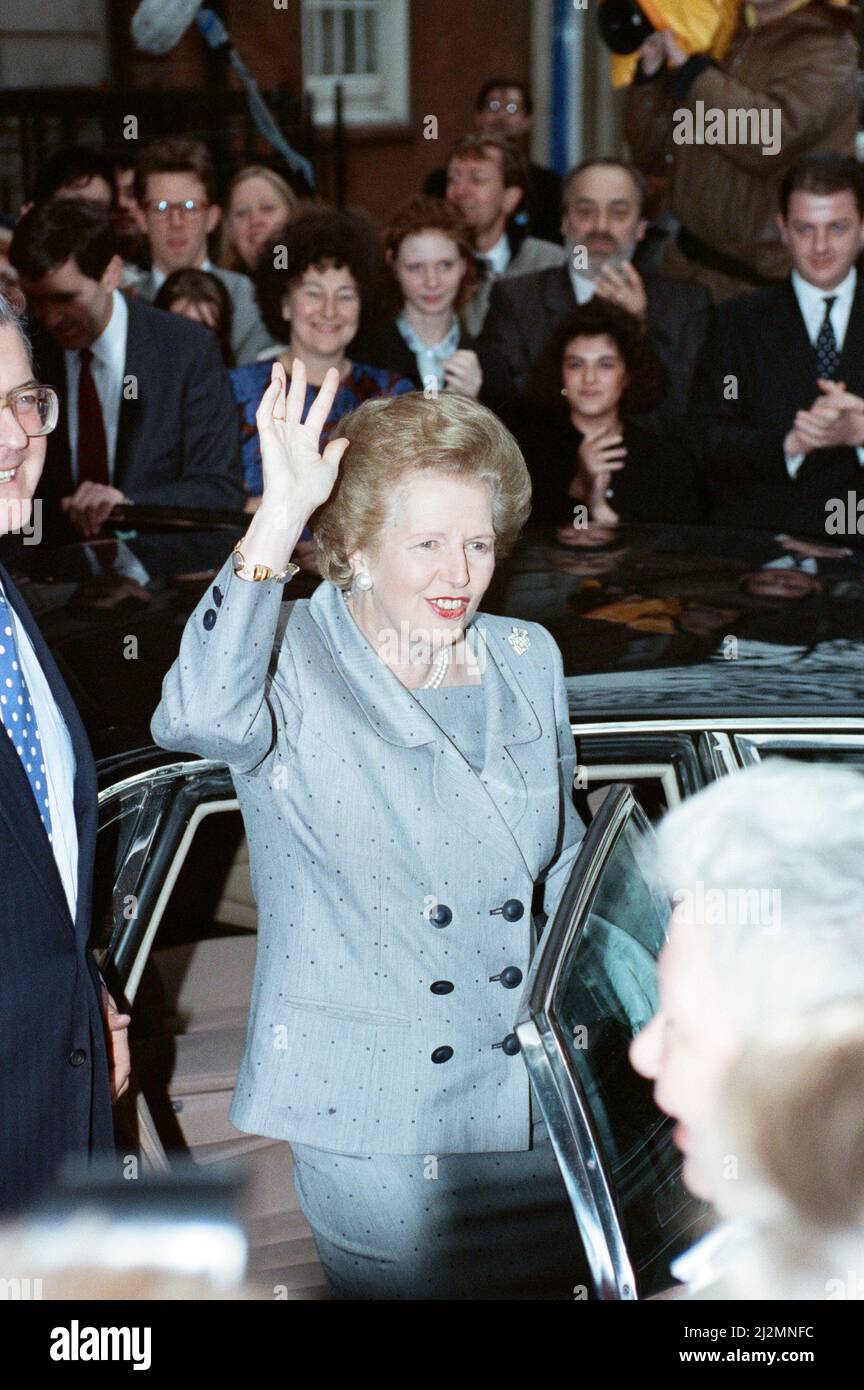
x=63, y=1045
x=791, y=68
x=602, y=222
x=150, y=417
x=175, y=185
x=778, y=400
x=486, y=181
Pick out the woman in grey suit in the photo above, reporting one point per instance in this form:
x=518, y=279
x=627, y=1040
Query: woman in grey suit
x=404, y=765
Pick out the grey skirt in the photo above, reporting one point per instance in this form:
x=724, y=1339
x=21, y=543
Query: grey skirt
x=451, y=1226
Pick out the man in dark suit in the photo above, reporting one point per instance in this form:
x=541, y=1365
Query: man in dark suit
x=504, y=108
x=486, y=181
x=778, y=401
x=150, y=417
x=61, y=1037
x=603, y=222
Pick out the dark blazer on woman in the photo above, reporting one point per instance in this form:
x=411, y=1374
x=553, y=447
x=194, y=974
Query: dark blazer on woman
x=658, y=483
x=389, y=349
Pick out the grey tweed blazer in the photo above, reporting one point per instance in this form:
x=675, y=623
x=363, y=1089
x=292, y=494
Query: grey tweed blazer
x=381, y=861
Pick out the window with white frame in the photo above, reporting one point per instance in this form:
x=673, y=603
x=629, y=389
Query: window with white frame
x=54, y=43
x=362, y=44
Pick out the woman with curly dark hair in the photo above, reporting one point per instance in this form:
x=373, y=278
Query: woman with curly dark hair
x=430, y=256
x=590, y=458
x=315, y=284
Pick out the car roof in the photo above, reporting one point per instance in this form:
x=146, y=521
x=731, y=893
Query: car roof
x=682, y=623
x=653, y=622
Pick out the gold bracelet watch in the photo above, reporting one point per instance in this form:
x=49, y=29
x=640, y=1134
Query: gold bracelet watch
x=257, y=573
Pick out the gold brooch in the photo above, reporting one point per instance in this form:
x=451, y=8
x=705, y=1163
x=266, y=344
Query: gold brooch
x=519, y=639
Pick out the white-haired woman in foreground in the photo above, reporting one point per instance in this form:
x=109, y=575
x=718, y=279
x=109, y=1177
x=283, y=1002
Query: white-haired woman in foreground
x=766, y=871
x=790, y=1134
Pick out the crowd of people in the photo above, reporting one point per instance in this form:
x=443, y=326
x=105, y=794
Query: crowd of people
x=249, y=354
x=631, y=394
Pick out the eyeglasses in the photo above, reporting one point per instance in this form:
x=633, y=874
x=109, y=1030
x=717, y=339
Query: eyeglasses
x=511, y=107
x=190, y=207
x=36, y=408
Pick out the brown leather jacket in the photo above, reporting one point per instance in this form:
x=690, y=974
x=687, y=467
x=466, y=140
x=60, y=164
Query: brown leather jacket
x=804, y=65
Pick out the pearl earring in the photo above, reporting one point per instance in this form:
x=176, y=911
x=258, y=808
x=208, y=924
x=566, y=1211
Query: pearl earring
x=363, y=581
x=563, y=390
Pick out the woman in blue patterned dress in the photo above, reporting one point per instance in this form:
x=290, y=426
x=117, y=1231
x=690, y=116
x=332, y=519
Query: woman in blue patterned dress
x=318, y=278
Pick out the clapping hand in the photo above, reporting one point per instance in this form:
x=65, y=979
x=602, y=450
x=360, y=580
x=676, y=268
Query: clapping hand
x=835, y=419
x=462, y=373
x=659, y=48
x=599, y=456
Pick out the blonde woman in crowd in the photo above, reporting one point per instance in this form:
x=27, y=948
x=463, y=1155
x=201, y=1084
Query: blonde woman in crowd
x=258, y=203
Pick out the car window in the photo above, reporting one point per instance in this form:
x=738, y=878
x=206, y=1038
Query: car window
x=844, y=750
x=659, y=768
x=120, y=820
x=594, y=989
x=212, y=893
x=197, y=975
x=607, y=993
x=184, y=957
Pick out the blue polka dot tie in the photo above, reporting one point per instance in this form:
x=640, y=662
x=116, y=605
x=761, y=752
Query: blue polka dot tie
x=827, y=356
x=19, y=717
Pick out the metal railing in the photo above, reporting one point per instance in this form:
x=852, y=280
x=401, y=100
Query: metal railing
x=36, y=121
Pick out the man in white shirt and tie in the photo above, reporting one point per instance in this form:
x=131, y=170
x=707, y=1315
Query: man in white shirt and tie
x=486, y=181
x=150, y=417
x=63, y=1044
x=778, y=400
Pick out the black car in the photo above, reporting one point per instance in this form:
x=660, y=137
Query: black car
x=688, y=652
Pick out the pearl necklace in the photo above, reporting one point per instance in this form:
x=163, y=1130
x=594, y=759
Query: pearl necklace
x=439, y=670
x=439, y=666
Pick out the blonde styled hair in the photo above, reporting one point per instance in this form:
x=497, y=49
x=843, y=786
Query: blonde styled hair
x=229, y=257
x=394, y=438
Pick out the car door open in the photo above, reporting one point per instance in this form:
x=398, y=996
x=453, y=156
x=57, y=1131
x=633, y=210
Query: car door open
x=591, y=987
